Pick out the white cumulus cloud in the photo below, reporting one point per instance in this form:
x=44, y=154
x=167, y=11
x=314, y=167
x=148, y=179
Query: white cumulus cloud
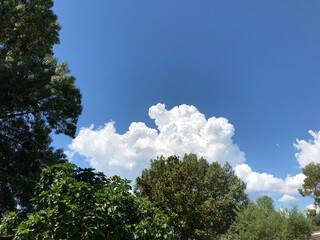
x=309, y=150
x=267, y=183
x=288, y=198
x=180, y=130
x=183, y=129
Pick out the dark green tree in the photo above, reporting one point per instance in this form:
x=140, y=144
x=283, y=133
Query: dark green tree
x=75, y=203
x=311, y=184
x=228, y=193
x=37, y=96
x=199, y=197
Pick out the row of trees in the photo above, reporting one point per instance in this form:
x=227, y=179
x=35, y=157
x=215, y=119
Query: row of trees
x=42, y=196
x=173, y=199
x=261, y=221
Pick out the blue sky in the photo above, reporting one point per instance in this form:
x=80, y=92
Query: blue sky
x=254, y=63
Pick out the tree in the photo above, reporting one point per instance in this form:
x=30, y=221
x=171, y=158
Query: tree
x=266, y=202
x=75, y=203
x=262, y=221
x=311, y=184
x=228, y=193
x=175, y=189
x=37, y=96
x=193, y=193
x=314, y=217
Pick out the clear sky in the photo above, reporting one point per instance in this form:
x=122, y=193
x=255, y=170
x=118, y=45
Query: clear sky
x=238, y=80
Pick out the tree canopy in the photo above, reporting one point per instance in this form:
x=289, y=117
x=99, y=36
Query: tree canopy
x=266, y=202
x=198, y=197
x=311, y=184
x=75, y=203
x=37, y=96
x=228, y=192
x=262, y=221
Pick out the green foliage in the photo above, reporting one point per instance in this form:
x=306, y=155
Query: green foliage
x=314, y=217
x=311, y=184
x=153, y=224
x=228, y=193
x=9, y=223
x=37, y=96
x=199, y=198
x=265, y=202
x=75, y=203
x=32, y=84
x=298, y=225
x=261, y=221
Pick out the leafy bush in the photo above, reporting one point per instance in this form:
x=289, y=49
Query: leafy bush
x=75, y=203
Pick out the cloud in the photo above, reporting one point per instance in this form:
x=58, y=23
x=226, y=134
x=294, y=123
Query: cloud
x=180, y=130
x=313, y=207
x=288, y=198
x=183, y=129
x=69, y=154
x=267, y=183
x=309, y=151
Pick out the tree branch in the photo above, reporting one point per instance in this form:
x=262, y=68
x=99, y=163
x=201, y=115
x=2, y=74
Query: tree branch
x=17, y=114
x=7, y=237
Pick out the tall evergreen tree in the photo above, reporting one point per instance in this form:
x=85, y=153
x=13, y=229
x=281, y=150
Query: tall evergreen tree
x=37, y=96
